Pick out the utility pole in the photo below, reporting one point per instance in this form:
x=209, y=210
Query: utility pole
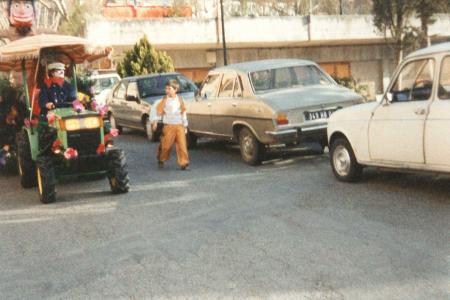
x=224, y=43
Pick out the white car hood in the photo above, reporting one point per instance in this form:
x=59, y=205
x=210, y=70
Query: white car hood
x=353, y=113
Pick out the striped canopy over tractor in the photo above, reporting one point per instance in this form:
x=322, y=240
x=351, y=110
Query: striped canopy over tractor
x=68, y=48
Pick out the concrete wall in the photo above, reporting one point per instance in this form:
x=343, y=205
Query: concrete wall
x=244, y=30
x=196, y=43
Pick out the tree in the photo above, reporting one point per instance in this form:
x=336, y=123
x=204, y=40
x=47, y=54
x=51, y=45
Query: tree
x=143, y=59
x=425, y=9
x=76, y=15
x=393, y=16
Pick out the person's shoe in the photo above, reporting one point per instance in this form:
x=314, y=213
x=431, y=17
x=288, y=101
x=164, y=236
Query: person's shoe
x=160, y=164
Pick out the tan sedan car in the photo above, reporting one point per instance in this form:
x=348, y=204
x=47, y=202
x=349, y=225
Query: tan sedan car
x=265, y=104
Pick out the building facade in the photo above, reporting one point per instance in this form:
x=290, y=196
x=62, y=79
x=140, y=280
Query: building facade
x=344, y=45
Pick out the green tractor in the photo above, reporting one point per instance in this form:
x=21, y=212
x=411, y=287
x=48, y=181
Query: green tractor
x=68, y=142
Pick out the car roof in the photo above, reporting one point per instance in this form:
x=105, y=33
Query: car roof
x=135, y=78
x=443, y=47
x=265, y=64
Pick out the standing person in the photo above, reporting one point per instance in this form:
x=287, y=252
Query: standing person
x=172, y=110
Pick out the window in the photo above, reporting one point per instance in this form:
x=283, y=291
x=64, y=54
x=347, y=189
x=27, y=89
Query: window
x=310, y=75
x=337, y=69
x=414, y=82
x=262, y=80
x=185, y=85
x=116, y=3
x=283, y=78
x=237, y=88
x=226, y=89
x=288, y=77
x=210, y=86
x=104, y=83
x=120, y=91
x=133, y=89
x=444, y=81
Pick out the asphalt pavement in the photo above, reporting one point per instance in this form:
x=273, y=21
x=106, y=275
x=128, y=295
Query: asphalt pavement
x=226, y=230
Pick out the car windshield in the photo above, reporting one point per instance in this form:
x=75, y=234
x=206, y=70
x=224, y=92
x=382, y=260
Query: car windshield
x=104, y=83
x=155, y=86
x=288, y=77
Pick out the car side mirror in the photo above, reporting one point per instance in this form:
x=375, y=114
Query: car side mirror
x=388, y=99
x=389, y=96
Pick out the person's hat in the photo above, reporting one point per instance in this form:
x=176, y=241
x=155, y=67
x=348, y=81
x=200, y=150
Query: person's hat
x=56, y=66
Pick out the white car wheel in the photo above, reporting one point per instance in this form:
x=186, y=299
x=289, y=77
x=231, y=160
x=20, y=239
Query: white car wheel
x=343, y=161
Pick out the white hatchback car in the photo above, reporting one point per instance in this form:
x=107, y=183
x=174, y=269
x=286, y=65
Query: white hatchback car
x=408, y=129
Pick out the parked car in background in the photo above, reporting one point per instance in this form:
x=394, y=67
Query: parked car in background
x=103, y=86
x=267, y=103
x=408, y=129
x=131, y=99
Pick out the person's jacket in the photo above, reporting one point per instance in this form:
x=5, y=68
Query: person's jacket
x=61, y=94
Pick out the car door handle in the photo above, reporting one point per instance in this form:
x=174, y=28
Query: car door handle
x=420, y=111
x=234, y=104
x=209, y=104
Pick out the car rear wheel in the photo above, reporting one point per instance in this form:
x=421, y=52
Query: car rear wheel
x=114, y=125
x=45, y=173
x=252, y=150
x=191, y=140
x=343, y=161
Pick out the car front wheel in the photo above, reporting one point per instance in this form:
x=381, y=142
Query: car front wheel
x=148, y=130
x=343, y=161
x=252, y=150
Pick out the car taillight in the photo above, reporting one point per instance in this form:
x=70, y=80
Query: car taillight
x=282, y=119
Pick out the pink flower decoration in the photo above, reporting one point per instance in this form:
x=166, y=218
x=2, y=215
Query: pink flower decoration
x=114, y=132
x=51, y=118
x=77, y=106
x=103, y=110
x=27, y=123
x=70, y=153
x=101, y=149
x=94, y=105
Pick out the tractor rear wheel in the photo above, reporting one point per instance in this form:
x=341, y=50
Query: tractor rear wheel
x=25, y=163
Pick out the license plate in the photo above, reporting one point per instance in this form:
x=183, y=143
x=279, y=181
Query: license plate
x=318, y=114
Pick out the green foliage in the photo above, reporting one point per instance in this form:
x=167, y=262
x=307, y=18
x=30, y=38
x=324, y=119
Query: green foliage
x=85, y=83
x=76, y=23
x=8, y=92
x=393, y=16
x=353, y=84
x=425, y=9
x=143, y=59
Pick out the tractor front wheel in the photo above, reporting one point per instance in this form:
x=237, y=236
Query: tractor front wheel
x=45, y=173
x=117, y=171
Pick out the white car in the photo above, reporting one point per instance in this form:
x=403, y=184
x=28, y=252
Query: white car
x=408, y=129
x=103, y=86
